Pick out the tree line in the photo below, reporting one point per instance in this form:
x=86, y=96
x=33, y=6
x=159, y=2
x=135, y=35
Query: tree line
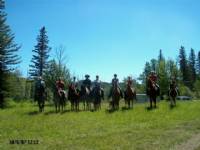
x=185, y=69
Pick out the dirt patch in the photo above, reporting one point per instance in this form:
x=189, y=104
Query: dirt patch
x=191, y=144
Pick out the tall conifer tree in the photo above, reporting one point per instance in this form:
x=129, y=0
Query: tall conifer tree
x=8, y=56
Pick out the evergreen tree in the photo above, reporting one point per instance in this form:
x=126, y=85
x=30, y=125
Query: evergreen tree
x=192, y=68
x=154, y=64
x=183, y=65
x=172, y=69
x=163, y=78
x=8, y=56
x=160, y=57
x=147, y=70
x=41, y=55
x=198, y=64
x=53, y=73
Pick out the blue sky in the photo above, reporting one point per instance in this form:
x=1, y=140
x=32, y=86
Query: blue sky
x=106, y=36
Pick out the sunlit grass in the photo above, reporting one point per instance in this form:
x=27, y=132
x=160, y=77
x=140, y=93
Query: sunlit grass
x=138, y=128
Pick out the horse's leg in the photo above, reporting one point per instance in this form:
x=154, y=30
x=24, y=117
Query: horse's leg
x=117, y=104
x=129, y=103
x=72, y=105
x=42, y=106
x=39, y=105
x=132, y=102
x=174, y=99
x=154, y=101
x=171, y=100
x=84, y=105
x=150, y=98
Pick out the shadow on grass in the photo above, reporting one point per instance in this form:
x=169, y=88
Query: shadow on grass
x=151, y=108
x=32, y=113
x=126, y=108
x=171, y=107
x=109, y=111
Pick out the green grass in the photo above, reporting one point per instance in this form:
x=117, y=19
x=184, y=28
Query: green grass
x=138, y=128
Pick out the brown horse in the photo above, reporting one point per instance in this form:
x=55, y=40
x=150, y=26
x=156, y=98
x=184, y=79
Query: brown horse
x=173, y=92
x=86, y=98
x=114, y=104
x=97, y=94
x=129, y=96
x=152, y=91
x=60, y=100
x=74, y=96
x=40, y=97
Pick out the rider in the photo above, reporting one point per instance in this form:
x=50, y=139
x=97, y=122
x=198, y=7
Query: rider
x=97, y=85
x=173, y=85
x=152, y=78
x=129, y=82
x=115, y=82
x=39, y=86
x=74, y=84
x=87, y=82
x=60, y=86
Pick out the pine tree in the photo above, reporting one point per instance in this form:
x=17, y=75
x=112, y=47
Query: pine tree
x=163, y=78
x=8, y=56
x=154, y=64
x=160, y=57
x=198, y=64
x=183, y=65
x=41, y=55
x=192, y=68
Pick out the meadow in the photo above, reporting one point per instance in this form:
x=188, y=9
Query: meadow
x=138, y=128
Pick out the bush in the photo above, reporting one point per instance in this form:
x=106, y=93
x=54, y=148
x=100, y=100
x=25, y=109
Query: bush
x=184, y=90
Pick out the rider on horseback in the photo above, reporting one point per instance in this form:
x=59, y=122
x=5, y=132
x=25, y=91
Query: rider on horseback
x=173, y=85
x=129, y=82
x=97, y=85
x=152, y=79
x=87, y=82
x=39, y=87
x=74, y=84
x=60, y=86
x=40, y=84
x=115, y=83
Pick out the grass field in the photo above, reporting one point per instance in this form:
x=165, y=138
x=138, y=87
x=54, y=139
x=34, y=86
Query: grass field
x=138, y=128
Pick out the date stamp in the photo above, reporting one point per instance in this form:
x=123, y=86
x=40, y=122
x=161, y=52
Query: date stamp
x=22, y=141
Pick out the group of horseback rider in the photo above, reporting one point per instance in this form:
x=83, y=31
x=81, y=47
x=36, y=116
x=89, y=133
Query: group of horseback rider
x=97, y=84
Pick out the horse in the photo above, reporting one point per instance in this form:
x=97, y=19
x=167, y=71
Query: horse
x=40, y=97
x=74, y=96
x=86, y=97
x=114, y=104
x=129, y=96
x=173, y=92
x=60, y=100
x=153, y=91
x=97, y=94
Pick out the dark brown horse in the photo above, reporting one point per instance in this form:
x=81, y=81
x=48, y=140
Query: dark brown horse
x=116, y=94
x=173, y=92
x=97, y=94
x=129, y=96
x=60, y=100
x=86, y=98
x=152, y=91
x=40, y=97
x=74, y=97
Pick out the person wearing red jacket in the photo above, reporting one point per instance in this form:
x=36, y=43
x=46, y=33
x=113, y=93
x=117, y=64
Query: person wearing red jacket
x=60, y=86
